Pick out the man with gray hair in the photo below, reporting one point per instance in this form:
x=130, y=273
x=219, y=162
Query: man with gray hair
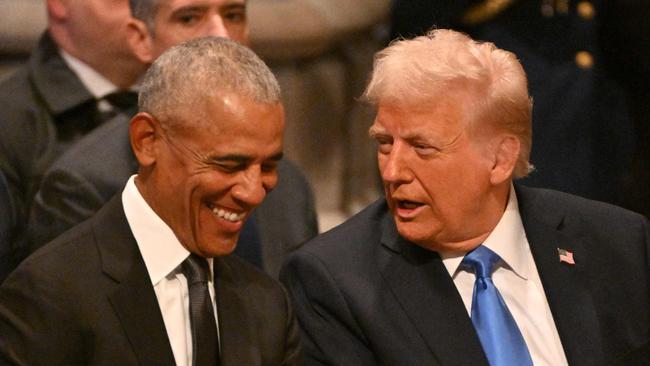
x=457, y=265
x=97, y=167
x=148, y=280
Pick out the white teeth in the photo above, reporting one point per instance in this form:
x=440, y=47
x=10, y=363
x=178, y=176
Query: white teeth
x=230, y=216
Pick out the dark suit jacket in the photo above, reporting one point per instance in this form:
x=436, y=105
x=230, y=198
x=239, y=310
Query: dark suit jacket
x=43, y=109
x=365, y=296
x=98, y=166
x=86, y=299
x=7, y=219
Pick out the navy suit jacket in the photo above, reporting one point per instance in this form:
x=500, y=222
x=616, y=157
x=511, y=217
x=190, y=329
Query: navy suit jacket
x=366, y=296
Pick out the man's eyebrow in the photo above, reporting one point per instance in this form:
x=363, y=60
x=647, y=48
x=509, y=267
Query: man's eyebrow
x=242, y=159
x=188, y=9
x=375, y=130
x=234, y=6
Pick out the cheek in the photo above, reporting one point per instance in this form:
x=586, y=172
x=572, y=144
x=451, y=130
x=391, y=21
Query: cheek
x=240, y=36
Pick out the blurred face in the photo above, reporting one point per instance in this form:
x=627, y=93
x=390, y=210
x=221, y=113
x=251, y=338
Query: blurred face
x=211, y=173
x=436, y=177
x=177, y=21
x=98, y=22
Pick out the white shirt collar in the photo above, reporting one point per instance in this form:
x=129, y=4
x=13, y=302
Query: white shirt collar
x=508, y=240
x=95, y=82
x=160, y=249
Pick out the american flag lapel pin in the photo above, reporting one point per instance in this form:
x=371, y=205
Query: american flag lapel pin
x=565, y=256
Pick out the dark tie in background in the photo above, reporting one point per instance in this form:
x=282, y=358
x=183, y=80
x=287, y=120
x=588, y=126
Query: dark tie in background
x=249, y=245
x=121, y=101
x=205, y=338
x=497, y=330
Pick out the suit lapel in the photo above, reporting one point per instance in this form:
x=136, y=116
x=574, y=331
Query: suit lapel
x=565, y=285
x=422, y=285
x=133, y=299
x=234, y=331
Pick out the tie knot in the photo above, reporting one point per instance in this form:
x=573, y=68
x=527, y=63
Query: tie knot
x=123, y=99
x=482, y=260
x=195, y=269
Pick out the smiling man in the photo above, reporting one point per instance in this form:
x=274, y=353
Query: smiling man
x=457, y=265
x=148, y=280
x=96, y=168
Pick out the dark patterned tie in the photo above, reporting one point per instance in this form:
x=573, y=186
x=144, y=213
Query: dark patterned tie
x=205, y=339
x=496, y=328
x=122, y=99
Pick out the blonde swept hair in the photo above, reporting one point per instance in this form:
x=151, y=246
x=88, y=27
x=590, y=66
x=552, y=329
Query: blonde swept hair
x=443, y=63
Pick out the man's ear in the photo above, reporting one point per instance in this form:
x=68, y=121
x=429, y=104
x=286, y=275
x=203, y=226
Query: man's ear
x=506, y=154
x=57, y=9
x=144, y=134
x=140, y=40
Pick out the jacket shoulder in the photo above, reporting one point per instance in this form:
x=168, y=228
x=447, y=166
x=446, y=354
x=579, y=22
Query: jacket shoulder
x=354, y=237
x=549, y=202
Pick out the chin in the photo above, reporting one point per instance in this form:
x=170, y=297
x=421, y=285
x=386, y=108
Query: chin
x=219, y=247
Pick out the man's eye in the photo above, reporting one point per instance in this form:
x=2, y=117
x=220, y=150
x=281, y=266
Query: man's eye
x=269, y=167
x=229, y=168
x=422, y=149
x=384, y=145
x=235, y=16
x=188, y=19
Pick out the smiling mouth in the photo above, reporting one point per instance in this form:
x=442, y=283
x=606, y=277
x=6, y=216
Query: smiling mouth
x=227, y=215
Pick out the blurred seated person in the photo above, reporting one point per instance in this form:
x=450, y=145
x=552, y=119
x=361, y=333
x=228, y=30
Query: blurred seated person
x=77, y=77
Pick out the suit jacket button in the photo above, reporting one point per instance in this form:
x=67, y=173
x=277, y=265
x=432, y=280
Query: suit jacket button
x=586, y=10
x=584, y=60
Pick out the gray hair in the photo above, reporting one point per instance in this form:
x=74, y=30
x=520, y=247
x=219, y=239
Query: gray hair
x=144, y=10
x=203, y=68
x=446, y=63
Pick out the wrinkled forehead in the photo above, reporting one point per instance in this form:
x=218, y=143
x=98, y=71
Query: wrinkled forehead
x=418, y=120
x=189, y=4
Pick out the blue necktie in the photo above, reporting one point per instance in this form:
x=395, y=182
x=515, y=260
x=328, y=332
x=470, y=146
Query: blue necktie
x=500, y=337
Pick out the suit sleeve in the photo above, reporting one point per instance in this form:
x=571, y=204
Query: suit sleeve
x=293, y=350
x=36, y=325
x=64, y=200
x=7, y=224
x=330, y=334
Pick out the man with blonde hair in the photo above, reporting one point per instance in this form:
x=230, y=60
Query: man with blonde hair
x=457, y=265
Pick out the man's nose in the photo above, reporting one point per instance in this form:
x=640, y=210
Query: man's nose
x=217, y=27
x=394, y=165
x=252, y=187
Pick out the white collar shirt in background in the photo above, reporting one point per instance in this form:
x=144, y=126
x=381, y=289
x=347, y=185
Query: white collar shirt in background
x=96, y=83
x=518, y=282
x=163, y=255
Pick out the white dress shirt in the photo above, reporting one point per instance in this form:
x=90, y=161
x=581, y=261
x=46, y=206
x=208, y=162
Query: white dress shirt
x=96, y=83
x=163, y=255
x=518, y=281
